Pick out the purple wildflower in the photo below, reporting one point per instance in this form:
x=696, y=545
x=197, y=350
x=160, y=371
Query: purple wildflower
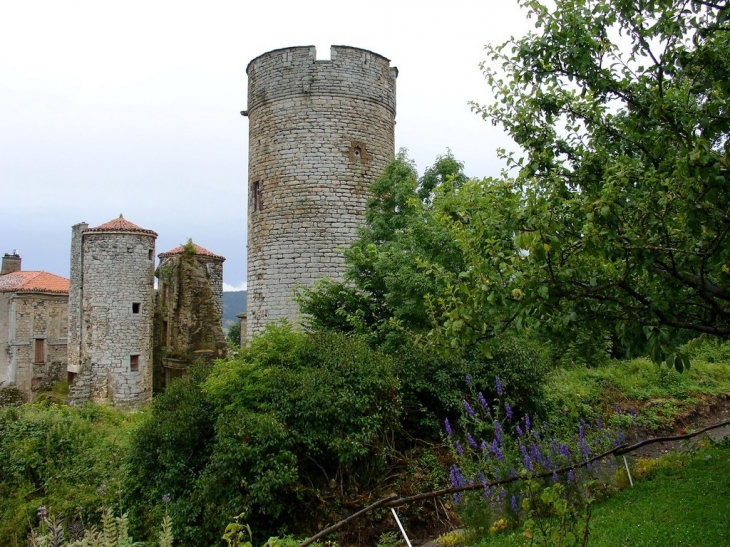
x=519, y=430
x=457, y=479
x=599, y=423
x=457, y=498
x=527, y=422
x=482, y=479
x=468, y=380
x=449, y=431
x=497, y=451
x=471, y=440
x=633, y=414
x=618, y=411
x=526, y=456
x=498, y=432
x=515, y=509
x=571, y=475
x=564, y=450
x=583, y=444
x=468, y=408
x=500, y=391
x=483, y=402
x=555, y=476
x=458, y=448
x=508, y=410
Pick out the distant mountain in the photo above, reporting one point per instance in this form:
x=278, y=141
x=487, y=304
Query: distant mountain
x=234, y=302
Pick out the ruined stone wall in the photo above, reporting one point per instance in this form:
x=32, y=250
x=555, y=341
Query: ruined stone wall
x=116, y=311
x=28, y=317
x=74, y=297
x=188, y=316
x=319, y=133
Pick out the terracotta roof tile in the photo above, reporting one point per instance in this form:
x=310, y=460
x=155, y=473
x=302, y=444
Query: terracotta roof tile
x=120, y=225
x=33, y=282
x=180, y=249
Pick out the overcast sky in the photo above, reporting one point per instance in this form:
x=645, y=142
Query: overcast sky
x=134, y=107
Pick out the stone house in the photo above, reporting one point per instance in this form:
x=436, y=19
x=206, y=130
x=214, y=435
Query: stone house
x=188, y=320
x=33, y=327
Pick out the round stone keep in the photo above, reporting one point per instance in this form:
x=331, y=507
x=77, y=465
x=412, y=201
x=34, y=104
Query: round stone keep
x=320, y=132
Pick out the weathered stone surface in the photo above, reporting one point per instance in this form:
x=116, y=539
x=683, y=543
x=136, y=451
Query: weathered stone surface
x=319, y=133
x=110, y=314
x=188, y=313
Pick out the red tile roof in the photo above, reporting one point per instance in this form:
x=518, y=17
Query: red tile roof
x=180, y=249
x=120, y=225
x=33, y=282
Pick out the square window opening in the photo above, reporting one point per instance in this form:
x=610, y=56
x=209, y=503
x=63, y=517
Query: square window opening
x=136, y=307
x=134, y=363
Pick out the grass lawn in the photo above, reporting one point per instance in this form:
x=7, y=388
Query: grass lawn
x=685, y=501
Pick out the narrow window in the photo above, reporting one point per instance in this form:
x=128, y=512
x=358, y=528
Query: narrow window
x=134, y=363
x=257, y=196
x=40, y=350
x=151, y=254
x=135, y=307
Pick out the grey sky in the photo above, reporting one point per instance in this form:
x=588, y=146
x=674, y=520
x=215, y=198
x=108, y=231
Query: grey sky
x=133, y=107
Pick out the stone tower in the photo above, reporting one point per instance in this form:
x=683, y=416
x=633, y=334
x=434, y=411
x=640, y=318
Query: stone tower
x=188, y=311
x=110, y=312
x=319, y=133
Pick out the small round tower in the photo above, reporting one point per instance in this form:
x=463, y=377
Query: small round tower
x=110, y=312
x=319, y=133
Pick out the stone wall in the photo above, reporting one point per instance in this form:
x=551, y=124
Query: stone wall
x=188, y=315
x=25, y=318
x=113, y=355
x=319, y=133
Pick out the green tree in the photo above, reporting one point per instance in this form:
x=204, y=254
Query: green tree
x=621, y=195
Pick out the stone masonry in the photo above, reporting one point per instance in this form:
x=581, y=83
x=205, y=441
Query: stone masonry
x=110, y=313
x=319, y=133
x=188, y=312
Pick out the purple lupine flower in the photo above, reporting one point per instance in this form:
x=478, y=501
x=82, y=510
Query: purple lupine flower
x=555, y=476
x=484, y=446
x=42, y=513
x=508, y=410
x=471, y=480
x=515, y=509
x=497, y=452
x=633, y=414
x=599, y=423
x=564, y=451
x=457, y=479
x=468, y=380
x=482, y=479
x=468, y=408
x=571, y=475
x=500, y=391
x=457, y=498
x=583, y=445
x=458, y=448
x=527, y=422
x=519, y=430
x=471, y=440
x=449, y=431
x=526, y=456
x=483, y=402
x=618, y=411
x=498, y=432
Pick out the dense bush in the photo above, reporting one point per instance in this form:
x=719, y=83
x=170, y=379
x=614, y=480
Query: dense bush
x=432, y=384
x=292, y=424
x=67, y=459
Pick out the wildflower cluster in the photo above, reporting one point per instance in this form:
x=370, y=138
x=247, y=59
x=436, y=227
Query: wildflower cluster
x=503, y=452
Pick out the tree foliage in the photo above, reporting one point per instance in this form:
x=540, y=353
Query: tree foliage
x=621, y=195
